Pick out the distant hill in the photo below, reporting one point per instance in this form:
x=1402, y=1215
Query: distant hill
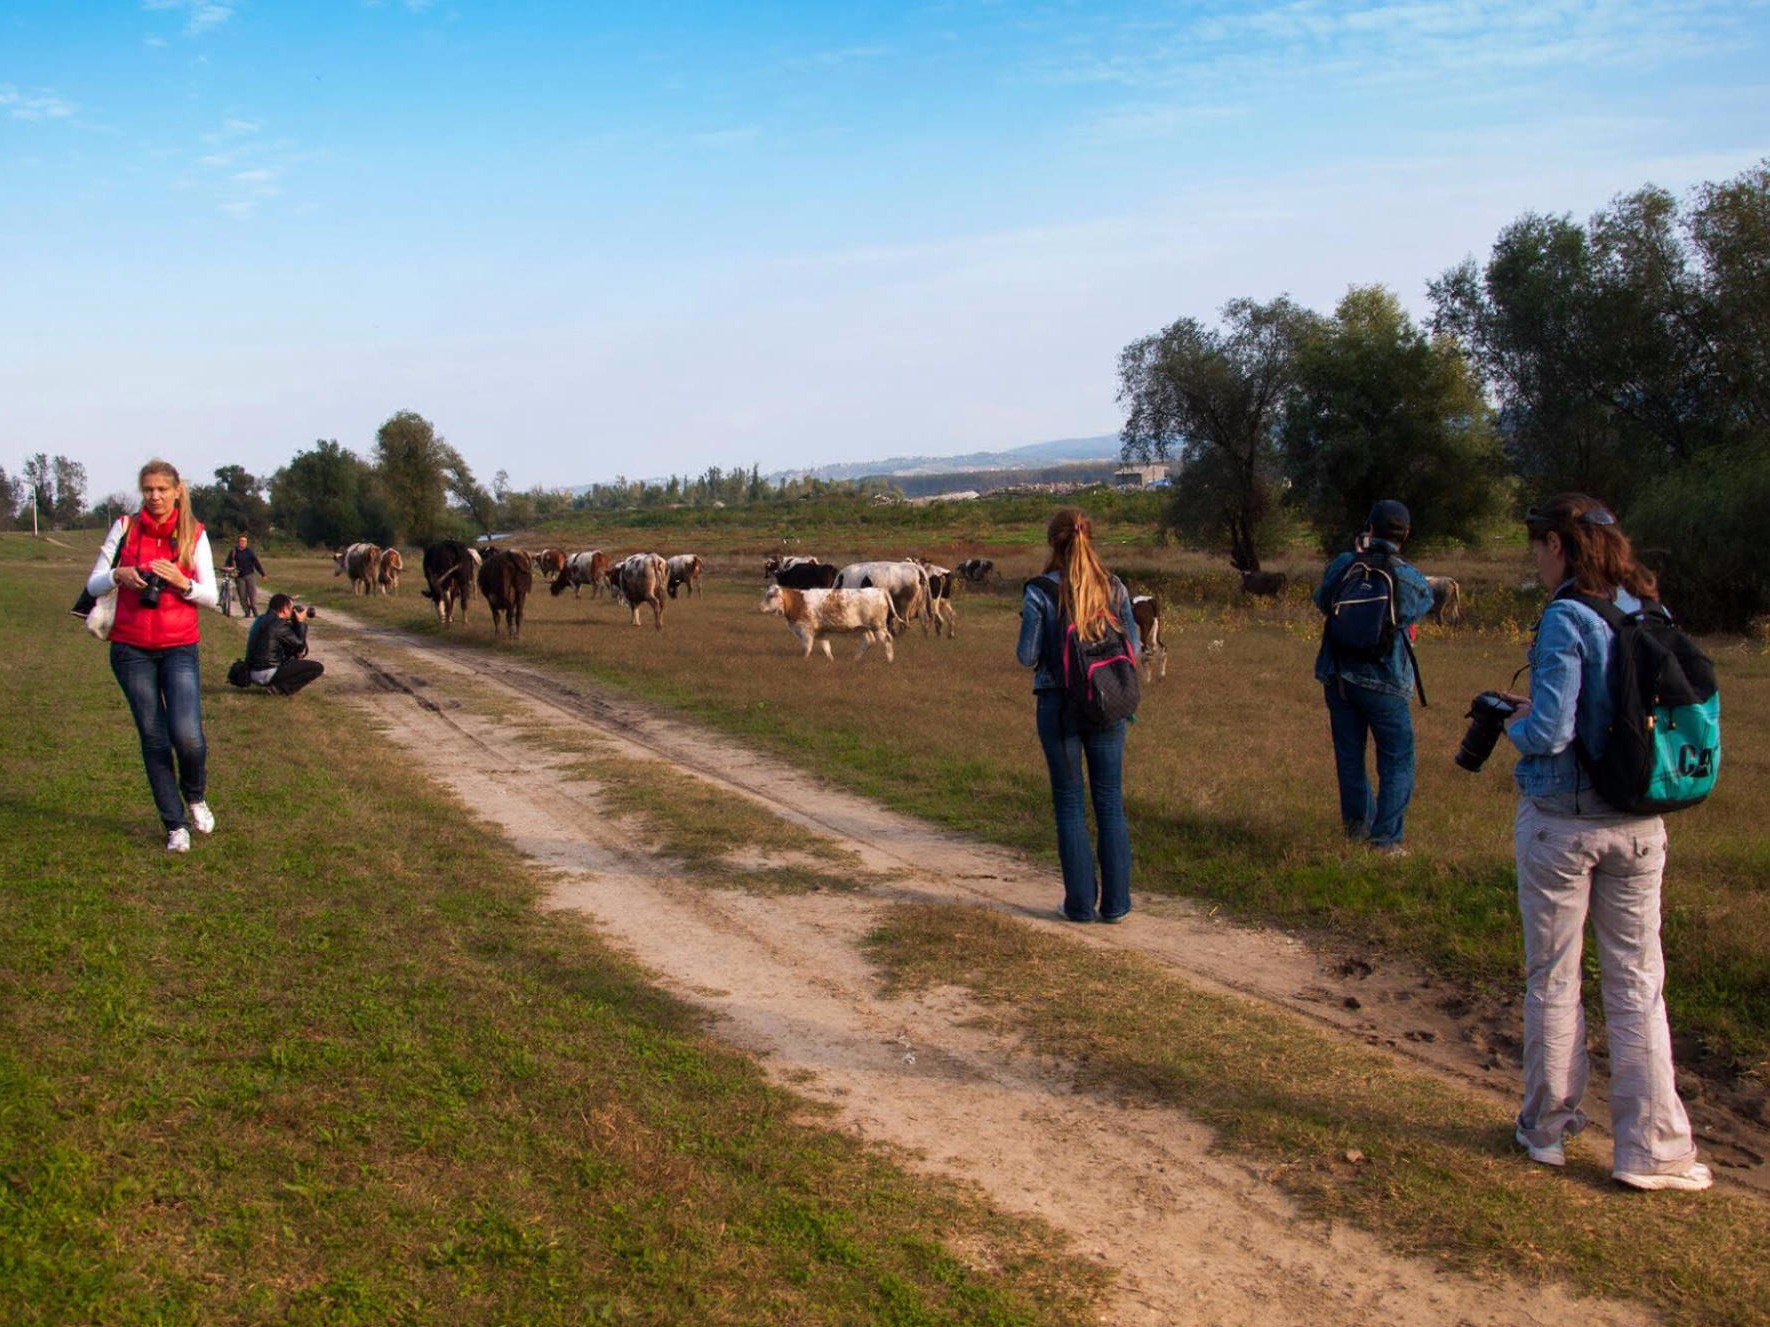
x=1035, y=455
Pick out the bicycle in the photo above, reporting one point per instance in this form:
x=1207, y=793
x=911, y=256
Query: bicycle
x=224, y=592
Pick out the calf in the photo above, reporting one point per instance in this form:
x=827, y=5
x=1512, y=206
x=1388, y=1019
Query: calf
x=941, y=584
x=1264, y=584
x=640, y=579
x=387, y=574
x=582, y=569
x=505, y=578
x=550, y=562
x=1447, y=600
x=362, y=563
x=448, y=578
x=683, y=569
x=1147, y=610
x=816, y=615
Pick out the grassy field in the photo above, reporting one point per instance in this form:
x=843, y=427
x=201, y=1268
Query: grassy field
x=339, y=1069
x=1230, y=779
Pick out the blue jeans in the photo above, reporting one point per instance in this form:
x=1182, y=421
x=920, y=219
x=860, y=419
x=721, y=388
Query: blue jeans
x=1103, y=750
x=1354, y=712
x=165, y=697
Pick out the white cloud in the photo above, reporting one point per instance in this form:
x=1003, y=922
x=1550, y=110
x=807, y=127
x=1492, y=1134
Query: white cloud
x=200, y=16
x=40, y=104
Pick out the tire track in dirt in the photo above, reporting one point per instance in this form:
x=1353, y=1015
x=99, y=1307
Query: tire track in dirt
x=1193, y=1237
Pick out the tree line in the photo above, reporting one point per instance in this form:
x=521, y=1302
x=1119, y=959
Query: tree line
x=1628, y=357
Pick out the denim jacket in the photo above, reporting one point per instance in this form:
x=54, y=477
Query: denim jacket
x=1041, y=632
x=1570, y=664
x=1413, y=600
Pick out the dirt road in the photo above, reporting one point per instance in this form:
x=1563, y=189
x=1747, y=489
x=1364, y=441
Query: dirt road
x=1193, y=1236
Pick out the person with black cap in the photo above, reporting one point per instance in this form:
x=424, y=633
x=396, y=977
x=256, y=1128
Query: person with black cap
x=1372, y=599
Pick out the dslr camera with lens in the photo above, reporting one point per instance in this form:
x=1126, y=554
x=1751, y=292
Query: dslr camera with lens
x=1487, y=716
x=151, y=587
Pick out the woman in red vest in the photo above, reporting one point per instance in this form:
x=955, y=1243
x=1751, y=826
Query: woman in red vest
x=163, y=573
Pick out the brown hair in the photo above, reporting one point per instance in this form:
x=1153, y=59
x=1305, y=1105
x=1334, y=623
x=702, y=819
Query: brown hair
x=185, y=531
x=1085, y=591
x=1598, y=554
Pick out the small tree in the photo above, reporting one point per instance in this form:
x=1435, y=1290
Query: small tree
x=1214, y=398
x=12, y=497
x=411, y=464
x=70, y=491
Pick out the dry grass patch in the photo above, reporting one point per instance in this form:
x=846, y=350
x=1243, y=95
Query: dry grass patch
x=1346, y=1130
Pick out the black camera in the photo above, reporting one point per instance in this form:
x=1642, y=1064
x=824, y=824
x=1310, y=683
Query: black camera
x=151, y=587
x=306, y=612
x=1487, y=716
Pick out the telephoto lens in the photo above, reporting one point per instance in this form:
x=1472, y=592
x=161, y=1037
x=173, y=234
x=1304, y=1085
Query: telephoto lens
x=1487, y=716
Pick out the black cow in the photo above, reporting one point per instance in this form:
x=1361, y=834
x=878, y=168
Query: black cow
x=448, y=578
x=808, y=576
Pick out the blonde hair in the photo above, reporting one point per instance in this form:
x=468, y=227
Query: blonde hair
x=1085, y=590
x=184, y=533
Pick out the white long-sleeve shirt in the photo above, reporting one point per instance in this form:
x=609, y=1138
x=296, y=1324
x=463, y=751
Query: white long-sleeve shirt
x=204, y=591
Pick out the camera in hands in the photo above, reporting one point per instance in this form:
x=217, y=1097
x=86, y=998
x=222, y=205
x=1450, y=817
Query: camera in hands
x=1487, y=716
x=152, y=586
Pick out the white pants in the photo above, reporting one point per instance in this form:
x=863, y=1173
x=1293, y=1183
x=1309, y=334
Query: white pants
x=1570, y=867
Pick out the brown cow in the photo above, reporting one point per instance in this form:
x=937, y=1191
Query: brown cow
x=1147, y=610
x=505, y=578
x=582, y=569
x=549, y=562
x=387, y=575
x=816, y=615
x=1447, y=600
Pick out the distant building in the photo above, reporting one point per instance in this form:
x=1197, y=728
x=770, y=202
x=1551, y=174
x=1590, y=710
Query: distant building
x=1141, y=476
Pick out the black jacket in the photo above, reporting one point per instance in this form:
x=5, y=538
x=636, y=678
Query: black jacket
x=244, y=561
x=273, y=640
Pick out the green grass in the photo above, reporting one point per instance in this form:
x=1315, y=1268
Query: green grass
x=336, y=1067
x=1230, y=779
x=1432, y=1170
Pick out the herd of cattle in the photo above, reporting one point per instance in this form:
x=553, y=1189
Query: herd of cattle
x=874, y=600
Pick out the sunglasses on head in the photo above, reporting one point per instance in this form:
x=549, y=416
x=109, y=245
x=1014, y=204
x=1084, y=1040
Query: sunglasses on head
x=1537, y=520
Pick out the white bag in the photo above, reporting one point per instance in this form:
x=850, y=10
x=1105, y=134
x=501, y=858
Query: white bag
x=102, y=614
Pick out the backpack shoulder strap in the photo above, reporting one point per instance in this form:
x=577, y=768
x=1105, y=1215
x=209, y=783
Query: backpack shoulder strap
x=1046, y=585
x=1613, y=616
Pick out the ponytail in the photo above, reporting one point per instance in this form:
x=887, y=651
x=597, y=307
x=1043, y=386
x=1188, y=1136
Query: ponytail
x=1084, y=590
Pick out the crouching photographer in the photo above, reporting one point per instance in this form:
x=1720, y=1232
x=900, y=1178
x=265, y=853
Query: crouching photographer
x=276, y=649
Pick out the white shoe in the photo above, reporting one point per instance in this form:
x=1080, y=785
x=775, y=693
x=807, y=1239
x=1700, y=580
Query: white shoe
x=1555, y=1154
x=202, y=818
x=1694, y=1180
x=178, y=840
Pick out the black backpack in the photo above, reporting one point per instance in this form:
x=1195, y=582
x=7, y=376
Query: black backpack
x=1098, y=678
x=1362, y=622
x=1663, y=748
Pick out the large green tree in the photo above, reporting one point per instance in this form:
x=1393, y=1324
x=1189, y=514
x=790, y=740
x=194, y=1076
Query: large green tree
x=70, y=491
x=233, y=504
x=1729, y=229
x=1212, y=398
x=411, y=467
x=326, y=495
x=1381, y=411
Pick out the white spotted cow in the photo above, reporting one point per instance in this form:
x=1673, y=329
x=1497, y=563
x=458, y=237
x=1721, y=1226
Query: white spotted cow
x=816, y=615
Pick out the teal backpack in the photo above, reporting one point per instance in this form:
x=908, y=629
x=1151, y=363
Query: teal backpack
x=1664, y=747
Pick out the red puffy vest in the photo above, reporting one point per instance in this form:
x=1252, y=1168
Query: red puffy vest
x=174, y=622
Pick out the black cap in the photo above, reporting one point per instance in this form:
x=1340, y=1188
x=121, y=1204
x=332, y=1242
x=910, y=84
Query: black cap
x=1389, y=520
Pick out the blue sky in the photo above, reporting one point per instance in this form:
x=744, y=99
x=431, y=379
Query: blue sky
x=590, y=239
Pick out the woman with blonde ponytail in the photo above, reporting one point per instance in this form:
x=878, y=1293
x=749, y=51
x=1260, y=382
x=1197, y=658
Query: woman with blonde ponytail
x=159, y=563
x=1089, y=596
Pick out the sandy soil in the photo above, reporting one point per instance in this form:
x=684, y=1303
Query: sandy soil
x=1193, y=1237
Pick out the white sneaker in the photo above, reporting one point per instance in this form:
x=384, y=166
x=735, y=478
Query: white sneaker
x=178, y=840
x=202, y=818
x=1555, y=1154
x=1694, y=1180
